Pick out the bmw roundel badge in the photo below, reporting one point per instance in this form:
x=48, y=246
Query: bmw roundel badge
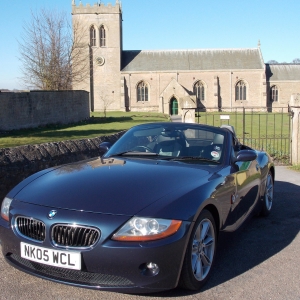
x=51, y=214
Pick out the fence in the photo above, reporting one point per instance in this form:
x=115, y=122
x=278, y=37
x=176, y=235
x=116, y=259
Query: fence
x=255, y=127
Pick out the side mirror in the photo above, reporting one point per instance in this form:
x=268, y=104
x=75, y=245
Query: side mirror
x=105, y=146
x=246, y=155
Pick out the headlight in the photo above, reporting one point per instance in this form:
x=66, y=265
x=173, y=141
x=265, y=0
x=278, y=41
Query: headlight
x=146, y=229
x=5, y=208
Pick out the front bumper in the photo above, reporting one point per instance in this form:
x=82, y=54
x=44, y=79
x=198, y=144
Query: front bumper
x=109, y=265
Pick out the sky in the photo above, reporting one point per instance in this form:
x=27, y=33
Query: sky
x=170, y=24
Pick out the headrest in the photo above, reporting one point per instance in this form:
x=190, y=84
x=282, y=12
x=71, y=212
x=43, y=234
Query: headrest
x=170, y=133
x=218, y=139
x=229, y=127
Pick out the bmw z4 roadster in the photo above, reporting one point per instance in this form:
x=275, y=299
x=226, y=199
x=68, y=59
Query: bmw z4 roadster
x=144, y=217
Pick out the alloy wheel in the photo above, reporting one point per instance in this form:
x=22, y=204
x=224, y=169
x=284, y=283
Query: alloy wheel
x=269, y=192
x=203, y=249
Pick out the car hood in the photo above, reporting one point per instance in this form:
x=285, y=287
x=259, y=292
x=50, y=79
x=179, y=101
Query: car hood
x=111, y=186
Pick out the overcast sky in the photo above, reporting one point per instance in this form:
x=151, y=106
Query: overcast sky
x=171, y=24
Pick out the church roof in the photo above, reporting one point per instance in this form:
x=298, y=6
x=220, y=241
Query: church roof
x=283, y=72
x=191, y=60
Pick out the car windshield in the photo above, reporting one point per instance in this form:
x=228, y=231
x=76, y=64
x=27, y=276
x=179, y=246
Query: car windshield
x=169, y=141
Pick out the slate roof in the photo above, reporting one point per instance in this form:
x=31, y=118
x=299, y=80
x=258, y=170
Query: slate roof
x=283, y=72
x=191, y=60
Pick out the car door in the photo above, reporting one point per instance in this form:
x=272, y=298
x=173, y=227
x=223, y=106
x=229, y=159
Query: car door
x=248, y=179
x=225, y=193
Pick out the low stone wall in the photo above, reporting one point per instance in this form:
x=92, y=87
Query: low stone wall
x=39, y=108
x=18, y=163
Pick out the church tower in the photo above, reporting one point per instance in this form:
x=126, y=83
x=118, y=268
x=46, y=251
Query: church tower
x=102, y=30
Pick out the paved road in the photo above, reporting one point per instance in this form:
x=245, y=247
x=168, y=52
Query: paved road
x=262, y=261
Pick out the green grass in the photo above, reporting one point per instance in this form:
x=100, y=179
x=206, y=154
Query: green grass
x=295, y=168
x=268, y=131
x=97, y=125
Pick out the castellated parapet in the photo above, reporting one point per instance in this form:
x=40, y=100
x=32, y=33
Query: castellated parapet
x=96, y=8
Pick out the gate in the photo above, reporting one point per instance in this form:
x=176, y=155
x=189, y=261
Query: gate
x=255, y=127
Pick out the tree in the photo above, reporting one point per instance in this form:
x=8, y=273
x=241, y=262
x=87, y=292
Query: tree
x=107, y=101
x=272, y=61
x=52, y=53
x=296, y=61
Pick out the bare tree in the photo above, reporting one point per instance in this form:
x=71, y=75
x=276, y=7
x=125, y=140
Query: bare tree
x=296, y=61
x=52, y=52
x=272, y=61
x=107, y=101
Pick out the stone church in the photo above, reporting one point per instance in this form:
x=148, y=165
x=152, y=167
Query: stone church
x=170, y=80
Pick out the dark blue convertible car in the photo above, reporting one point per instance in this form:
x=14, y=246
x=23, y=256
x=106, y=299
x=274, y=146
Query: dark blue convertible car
x=144, y=217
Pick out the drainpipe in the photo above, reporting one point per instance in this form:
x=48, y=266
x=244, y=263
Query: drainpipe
x=231, y=90
x=129, y=102
x=297, y=153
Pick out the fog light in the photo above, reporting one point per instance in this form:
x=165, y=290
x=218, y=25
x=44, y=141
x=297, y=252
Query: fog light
x=149, y=269
x=153, y=268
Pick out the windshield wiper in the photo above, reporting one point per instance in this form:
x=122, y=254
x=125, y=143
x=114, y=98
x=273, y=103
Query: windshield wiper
x=195, y=158
x=132, y=153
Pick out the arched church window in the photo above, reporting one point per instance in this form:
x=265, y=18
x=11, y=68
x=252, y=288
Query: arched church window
x=93, y=36
x=274, y=94
x=199, y=91
x=142, y=91
x=102, y=36
x=241, y=91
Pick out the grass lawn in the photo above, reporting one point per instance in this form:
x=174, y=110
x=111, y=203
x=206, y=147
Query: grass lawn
x=295, y=168
x=268, y=131
x=96, y=126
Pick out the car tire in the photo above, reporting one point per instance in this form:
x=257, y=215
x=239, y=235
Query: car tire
x=200, y=253
x=268, y=196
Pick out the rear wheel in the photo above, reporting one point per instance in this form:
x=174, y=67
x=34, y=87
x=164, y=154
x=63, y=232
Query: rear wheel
x=268, y=195
x=200, y=253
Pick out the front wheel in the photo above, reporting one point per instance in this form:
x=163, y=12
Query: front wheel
x=200, y=253
x=268, y=196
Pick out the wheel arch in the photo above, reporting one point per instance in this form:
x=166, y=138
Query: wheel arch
x=186, y=279
x=272, y=170
x=214, y=211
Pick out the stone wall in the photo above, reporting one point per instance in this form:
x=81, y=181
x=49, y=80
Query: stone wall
x=18, y=163
x=39, y=108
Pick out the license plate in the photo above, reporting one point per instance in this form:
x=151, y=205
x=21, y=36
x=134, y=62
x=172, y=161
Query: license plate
x=51, y=257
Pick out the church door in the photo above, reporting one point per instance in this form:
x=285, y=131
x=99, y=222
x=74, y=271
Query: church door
x=174, y=106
